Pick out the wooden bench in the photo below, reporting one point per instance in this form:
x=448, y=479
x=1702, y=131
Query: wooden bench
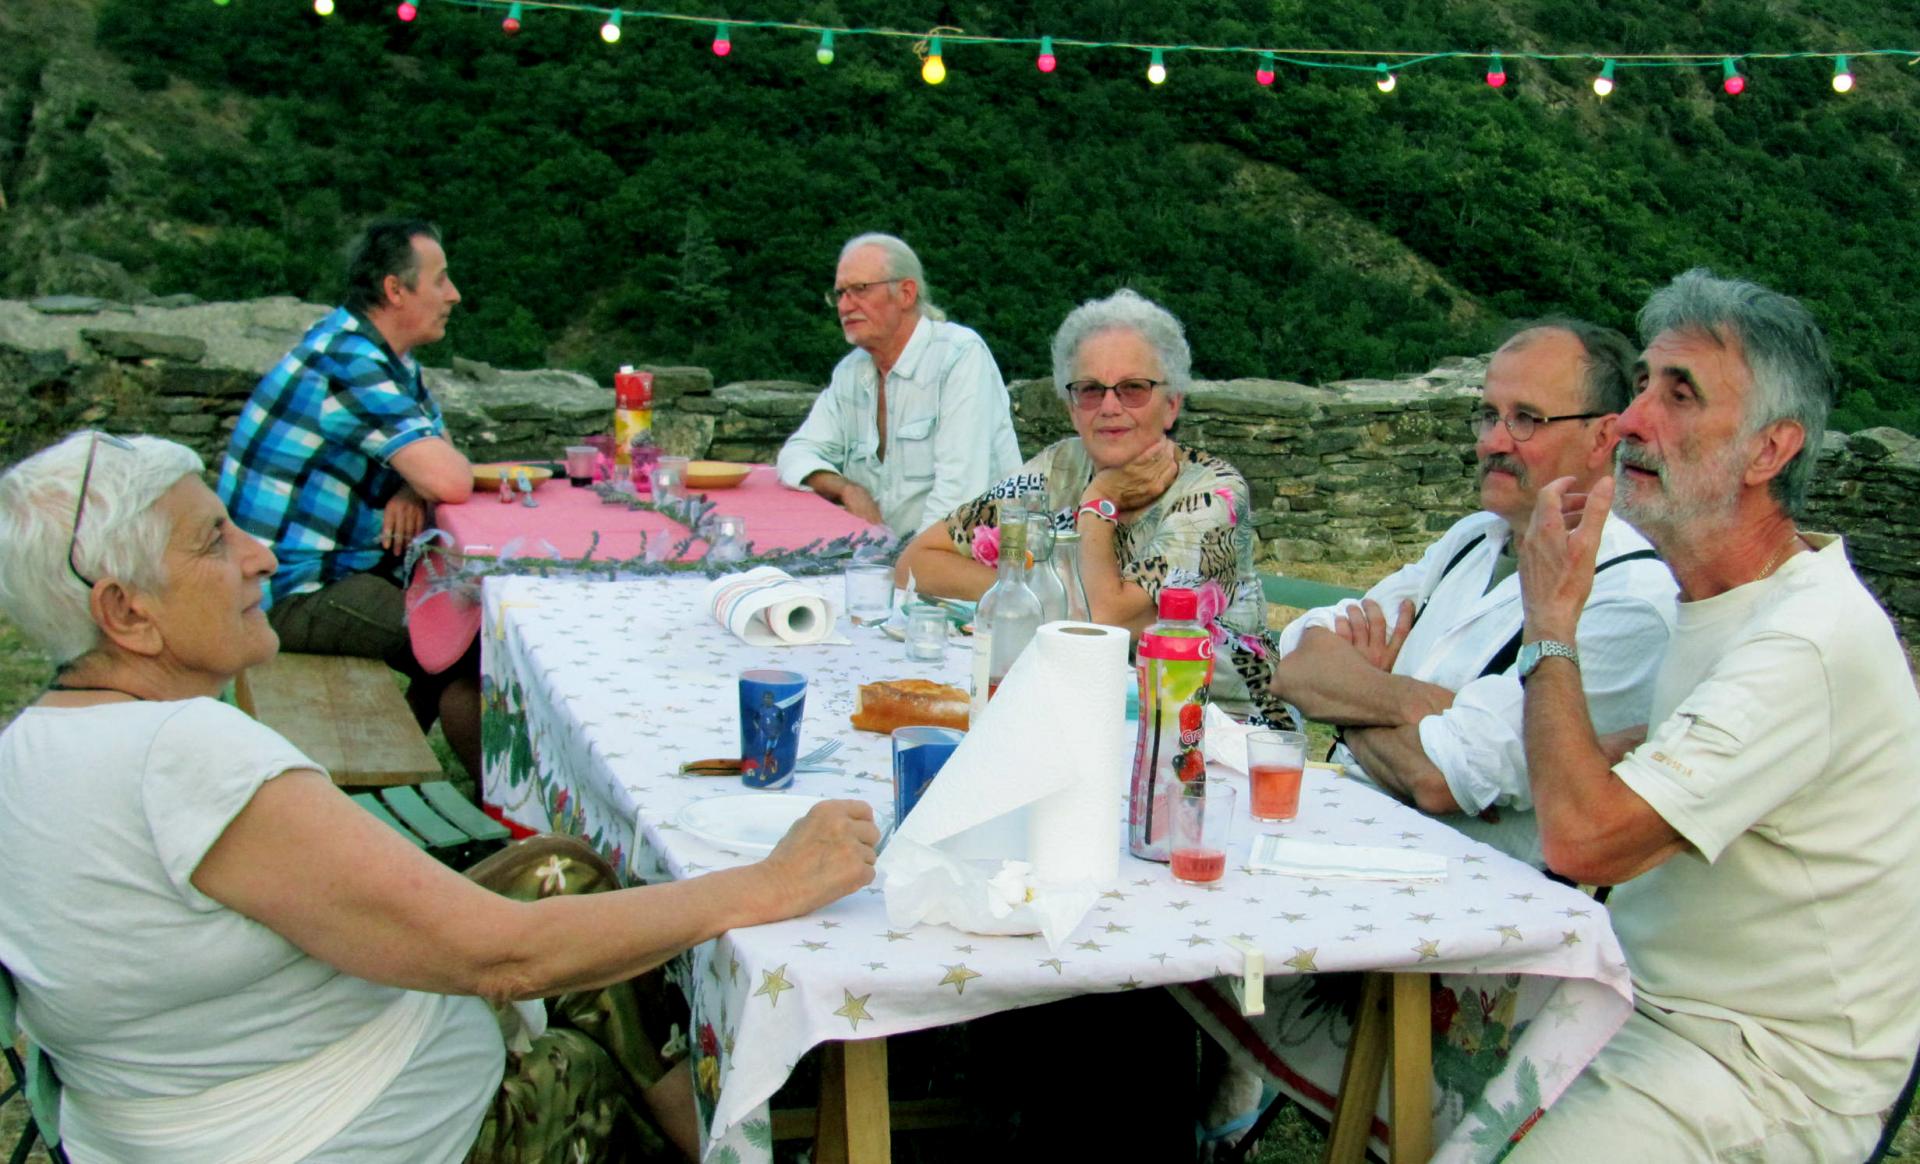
x=348, y=714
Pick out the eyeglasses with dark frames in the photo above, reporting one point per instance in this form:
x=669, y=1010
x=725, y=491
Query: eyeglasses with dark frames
x=1521, y=425
x=80, y=502
x=857, y=290
x=1087, y=395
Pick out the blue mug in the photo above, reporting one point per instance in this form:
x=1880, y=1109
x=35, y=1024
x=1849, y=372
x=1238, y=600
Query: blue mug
x=771, y=704
x=918, y=755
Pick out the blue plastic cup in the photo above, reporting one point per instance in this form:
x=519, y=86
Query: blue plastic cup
x=771, y=704
x=918, y=755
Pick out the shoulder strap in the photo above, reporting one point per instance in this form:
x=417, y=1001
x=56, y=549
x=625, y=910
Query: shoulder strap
x=1459, y=556
x=1505, y=656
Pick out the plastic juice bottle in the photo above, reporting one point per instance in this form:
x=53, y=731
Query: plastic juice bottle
x=1175, y=665
x=632, y=415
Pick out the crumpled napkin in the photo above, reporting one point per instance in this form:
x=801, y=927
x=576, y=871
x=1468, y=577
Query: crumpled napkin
x=1226, y=741
x=927, y=885
x=1356, y=862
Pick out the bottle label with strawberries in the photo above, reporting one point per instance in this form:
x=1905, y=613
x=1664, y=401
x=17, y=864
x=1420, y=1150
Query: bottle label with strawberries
x=1175, y=667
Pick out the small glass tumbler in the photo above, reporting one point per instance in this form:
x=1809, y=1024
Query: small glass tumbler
x=1274, y=763
x=926, y=632
x=869, y=592
x=677, y=467
x=1201, y=815
x=668, y=484
x=581, y=465
x=729, y=539
x=602, y=446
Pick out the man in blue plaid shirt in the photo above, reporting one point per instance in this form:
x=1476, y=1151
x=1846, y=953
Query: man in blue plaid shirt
x=338, y=456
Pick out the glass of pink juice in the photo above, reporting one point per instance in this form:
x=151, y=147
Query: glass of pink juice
x=1274, y=761
x=1200, y=816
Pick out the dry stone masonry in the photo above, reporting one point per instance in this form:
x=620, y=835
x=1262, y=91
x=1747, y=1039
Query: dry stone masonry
x=1350, y=471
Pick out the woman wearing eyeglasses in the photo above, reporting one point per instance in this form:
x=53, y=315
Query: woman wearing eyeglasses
x=1150, y=513
x=228, y=959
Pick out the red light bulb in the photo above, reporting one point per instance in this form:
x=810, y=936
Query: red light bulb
x=1496, y=79
x=1263, y=76
x=1734, y=85
x=406, y=12
x=1046, y=62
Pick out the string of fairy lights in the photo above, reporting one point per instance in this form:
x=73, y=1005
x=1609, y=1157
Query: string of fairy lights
x=1383, y=66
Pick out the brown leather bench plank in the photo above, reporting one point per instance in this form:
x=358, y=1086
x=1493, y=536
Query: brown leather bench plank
x=346, y=713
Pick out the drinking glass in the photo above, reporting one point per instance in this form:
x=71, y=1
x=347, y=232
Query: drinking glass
x=729, y=539
x=926, y=632
x=674, y=469
x=581, y=465
x=869, y=592
x=1200, y=813
x=1274, y=761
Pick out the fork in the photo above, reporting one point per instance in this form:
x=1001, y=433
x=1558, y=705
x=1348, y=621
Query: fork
x=817, y=755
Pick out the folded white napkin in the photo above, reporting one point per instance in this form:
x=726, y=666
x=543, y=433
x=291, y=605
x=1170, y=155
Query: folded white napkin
x=766, y=607
x=1309, y=859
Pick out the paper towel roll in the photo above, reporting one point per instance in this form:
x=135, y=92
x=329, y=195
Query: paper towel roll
x=766, y=607
x=1073, y=833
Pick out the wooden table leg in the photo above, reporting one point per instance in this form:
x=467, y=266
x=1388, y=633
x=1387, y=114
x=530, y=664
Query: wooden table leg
x=1410, y=1087
x=1360, y=1079
x=853, y=1126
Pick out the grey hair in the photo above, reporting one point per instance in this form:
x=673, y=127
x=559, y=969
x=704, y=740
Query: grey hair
x=121, y=537
x=902, y=263
x=1608, y=360
x=1125, y=310
x=1784, y=349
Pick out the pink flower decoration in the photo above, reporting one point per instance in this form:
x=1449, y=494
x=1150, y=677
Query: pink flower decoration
x=1233, y=513
x=986, y=545
x=1213, y=601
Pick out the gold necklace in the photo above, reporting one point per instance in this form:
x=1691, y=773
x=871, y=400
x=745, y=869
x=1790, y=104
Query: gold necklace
x=1778, y=557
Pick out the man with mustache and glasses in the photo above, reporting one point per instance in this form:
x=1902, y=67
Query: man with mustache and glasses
x=337, y=460
x=1765, y=835
x=1421, y=676
x=916, y=419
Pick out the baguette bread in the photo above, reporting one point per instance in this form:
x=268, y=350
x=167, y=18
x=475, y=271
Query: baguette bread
x=881, y=707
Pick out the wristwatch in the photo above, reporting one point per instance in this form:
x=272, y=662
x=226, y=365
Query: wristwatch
x=1099, y=507
x=1531, y=654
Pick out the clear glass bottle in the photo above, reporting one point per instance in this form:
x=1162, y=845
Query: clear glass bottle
x=1009, y=612
x=1066, y=567
x=1045, y=583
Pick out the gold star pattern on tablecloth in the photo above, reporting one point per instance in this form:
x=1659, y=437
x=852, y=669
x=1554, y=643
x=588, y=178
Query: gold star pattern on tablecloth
x=1198, y=940
x=812, y=947
x=1302, y=960
x=1428, y=949
x=1570, y=938
x=1089, y=944
x=957, y=976
x=772, y=983
x=897, y=936
x=1052, y=963
x=1509, y=934
x=854, y=1009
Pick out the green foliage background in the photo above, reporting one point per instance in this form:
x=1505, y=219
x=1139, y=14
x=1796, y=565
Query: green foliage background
x=649, y=201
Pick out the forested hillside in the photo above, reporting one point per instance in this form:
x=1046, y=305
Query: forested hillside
x=650, y=201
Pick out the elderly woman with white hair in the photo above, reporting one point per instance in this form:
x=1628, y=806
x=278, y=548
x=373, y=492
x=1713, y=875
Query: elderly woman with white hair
x=1151, y=514
x=225, y=957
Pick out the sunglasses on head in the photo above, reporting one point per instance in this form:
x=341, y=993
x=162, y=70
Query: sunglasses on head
x=80, y=502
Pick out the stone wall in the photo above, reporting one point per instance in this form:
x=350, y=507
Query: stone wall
x=1352, y=471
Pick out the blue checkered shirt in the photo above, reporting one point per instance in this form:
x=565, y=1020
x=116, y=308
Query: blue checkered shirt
x=308, y=467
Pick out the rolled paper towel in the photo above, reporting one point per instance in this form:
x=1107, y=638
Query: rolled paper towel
x=1036, y=781
x=766, y=607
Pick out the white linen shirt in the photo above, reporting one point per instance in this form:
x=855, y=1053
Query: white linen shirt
x=949, y=428
x=1478, y=744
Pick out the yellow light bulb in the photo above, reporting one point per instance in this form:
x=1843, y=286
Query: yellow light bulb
x=934, y=71
x=323, y=7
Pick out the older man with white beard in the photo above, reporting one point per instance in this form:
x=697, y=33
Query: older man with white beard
x=1764, y=837
x=1422, y=676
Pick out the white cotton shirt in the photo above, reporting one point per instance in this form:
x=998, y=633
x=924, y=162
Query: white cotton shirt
x=949, y=428
x=1479, y=743
x=138, y=984
x=1786, y=751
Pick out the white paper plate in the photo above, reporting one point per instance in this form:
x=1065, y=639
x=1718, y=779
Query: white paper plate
x=750, y=822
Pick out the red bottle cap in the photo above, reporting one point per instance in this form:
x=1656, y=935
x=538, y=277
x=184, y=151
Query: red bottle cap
x=1179, y=603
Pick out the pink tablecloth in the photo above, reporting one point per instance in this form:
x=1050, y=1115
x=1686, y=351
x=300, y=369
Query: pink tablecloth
x=442, y=626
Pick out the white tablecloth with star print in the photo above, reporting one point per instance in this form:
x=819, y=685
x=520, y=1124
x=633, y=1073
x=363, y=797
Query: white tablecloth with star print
x=595, y=692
